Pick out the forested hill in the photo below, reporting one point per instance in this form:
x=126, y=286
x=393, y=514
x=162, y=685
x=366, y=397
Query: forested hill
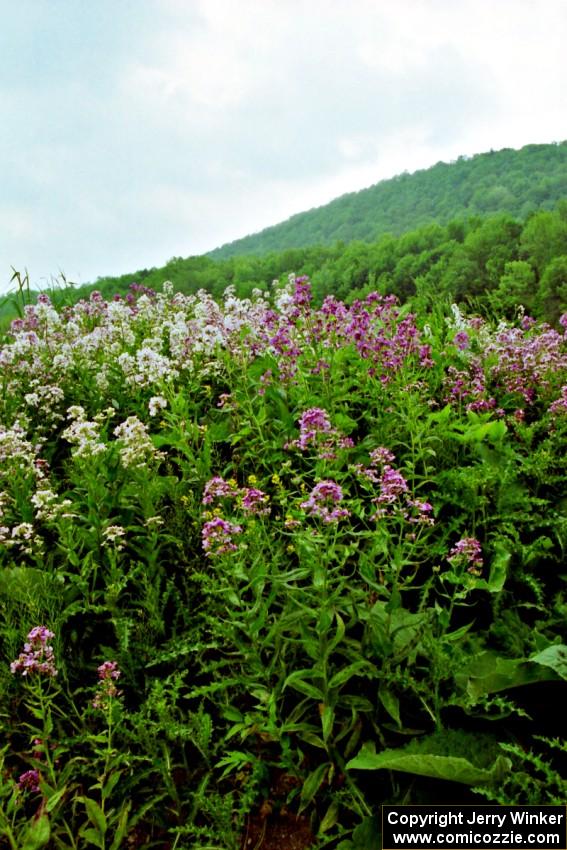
x=512, y=181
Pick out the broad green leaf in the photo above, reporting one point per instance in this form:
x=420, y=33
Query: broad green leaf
x=555, y=657
x=367, y=834
x=110, y=783
x=489, y=673
x=451, y=768
x=121, y=829
x=311, y=738
x=325, y=620
x=498, y=572
x=339, y=633
x=38, y=833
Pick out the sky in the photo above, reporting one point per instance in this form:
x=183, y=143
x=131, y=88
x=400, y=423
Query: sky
x=133, y=131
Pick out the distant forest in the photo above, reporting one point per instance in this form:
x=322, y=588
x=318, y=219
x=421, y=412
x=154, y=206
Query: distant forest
x=492, y=262
x=517, y=182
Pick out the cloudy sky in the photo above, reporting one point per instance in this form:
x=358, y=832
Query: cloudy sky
x=133, y=131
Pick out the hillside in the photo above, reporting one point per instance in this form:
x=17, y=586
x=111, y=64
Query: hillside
x=511, y=181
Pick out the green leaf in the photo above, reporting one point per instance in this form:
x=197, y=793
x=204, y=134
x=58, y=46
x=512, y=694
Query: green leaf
x=451, y=768
x=311, y=738
x=92, y=836
x=498, y=572
x=330, y=818
x=390, y=702
x=343, y=676
x=38, y=834
x=367, y=834
x=312, y=785
x=554, y=656
x=489, y=673
x=327, y=721
x=96, y=814
x=110, y=784
x=296, y=680
x=54, y=799
x=121, y=829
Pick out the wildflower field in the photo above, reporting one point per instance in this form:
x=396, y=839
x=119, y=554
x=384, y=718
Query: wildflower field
x=265, y=566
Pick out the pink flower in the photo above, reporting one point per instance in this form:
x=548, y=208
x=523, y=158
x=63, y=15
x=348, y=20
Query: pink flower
x=321, y=500
x=108, y=674
x=467, y=552
x=217, y=488
x=217, y=536
x=37, y=656
x=254, y=501
x=29, y=781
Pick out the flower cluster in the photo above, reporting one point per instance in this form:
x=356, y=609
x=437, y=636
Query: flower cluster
x=218, y=488
x=467, y=553
x=29, y=781
x=323, y=502
x=137, y=449
x=38, y=656
x=316, y=432
x=113, y=536
x=48, y=507
x=254, y=501
x=156, y=403
x=83, y=434
x=217, y=536
x=521, y=364
x=394, y=496
x=560, y=404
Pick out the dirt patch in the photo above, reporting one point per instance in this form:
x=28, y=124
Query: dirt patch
x=277, y=832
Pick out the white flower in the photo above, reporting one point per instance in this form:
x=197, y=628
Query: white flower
x=157, y=403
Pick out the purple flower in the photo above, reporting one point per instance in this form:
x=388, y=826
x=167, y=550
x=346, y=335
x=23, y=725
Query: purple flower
x=109, y=670
x=322, y=498
x=29, y=781
x=560, y=404
x=254, y=501
x=462, y=340
x=315, y=430
x=37, y=656
x=392, y=485
x=217, y=536
x=381, y=456
x=467, y=552
x=217, y=488
x=420, y=512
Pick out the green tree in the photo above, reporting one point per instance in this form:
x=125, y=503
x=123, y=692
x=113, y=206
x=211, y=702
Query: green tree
x=551, y=299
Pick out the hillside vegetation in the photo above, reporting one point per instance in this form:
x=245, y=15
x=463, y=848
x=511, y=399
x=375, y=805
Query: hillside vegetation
x=453, y=233
x=493, y=262
x=513, y=181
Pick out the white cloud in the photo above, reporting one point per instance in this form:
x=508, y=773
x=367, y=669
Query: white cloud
x=167, y=128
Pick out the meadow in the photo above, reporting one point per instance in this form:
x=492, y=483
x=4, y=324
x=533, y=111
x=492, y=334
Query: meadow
x=266, y=566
